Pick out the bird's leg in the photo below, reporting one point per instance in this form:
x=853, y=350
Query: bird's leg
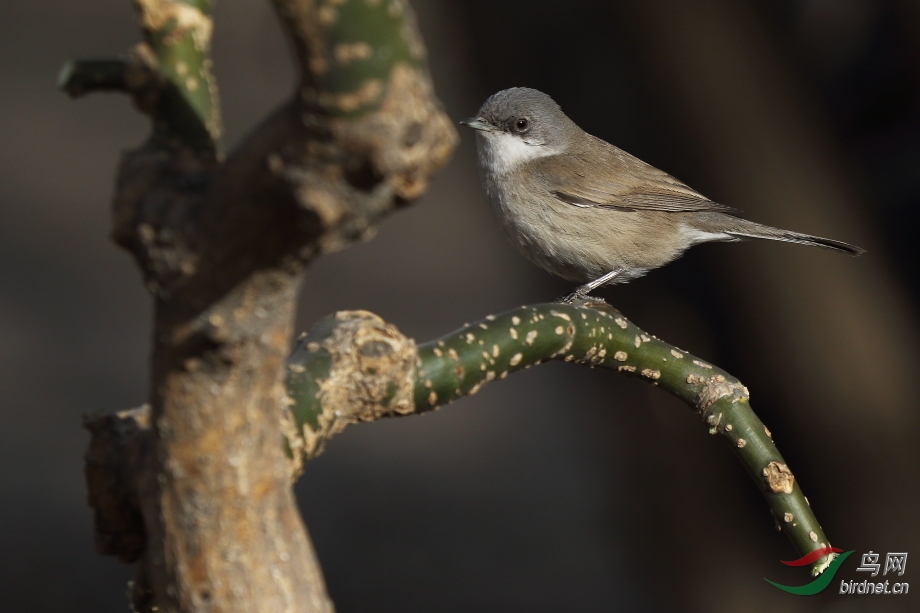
x=587, y=288
x=580, y=294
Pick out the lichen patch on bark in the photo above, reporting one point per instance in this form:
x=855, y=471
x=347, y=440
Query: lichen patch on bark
x=714, y=388
x=155, y=16
x=779, y=478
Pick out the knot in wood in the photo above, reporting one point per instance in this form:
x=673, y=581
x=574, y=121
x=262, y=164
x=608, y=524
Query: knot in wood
x=779, y=478
x=372, y=370
x=112, y=472
x=715, y=388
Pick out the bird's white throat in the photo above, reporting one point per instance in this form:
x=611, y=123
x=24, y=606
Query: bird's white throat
x=502, y=152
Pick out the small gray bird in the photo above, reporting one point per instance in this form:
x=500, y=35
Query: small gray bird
x=586, y=211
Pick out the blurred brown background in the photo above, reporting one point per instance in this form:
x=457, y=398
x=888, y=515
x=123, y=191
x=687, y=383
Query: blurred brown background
x=562, y=488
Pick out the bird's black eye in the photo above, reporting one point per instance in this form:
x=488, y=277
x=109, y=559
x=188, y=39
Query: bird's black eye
x=521, y=124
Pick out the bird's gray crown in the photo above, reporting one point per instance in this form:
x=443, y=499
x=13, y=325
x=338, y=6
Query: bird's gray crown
x=528, y=113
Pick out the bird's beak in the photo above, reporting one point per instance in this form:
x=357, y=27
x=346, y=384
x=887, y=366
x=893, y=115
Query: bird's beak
x=477, y=123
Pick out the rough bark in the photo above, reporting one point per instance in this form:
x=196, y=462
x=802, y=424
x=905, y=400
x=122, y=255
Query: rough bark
x=222, y=244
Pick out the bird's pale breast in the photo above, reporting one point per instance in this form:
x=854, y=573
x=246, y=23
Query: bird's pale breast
x=581, y=244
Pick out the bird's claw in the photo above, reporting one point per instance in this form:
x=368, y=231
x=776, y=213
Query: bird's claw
x=577, y=298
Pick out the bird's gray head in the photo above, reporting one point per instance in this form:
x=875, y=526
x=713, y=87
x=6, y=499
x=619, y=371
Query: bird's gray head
x=517, y=125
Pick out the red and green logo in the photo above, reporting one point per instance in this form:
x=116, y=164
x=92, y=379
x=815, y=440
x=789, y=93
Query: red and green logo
x=823, y=580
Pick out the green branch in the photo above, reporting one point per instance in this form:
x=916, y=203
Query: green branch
x=348, y=51
x=179, y=34
x=354, y=367
x=169, y=74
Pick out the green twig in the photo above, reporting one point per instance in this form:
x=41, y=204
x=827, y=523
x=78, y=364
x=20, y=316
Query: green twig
x=352, y=367
x=169, y=74
x=179, y=33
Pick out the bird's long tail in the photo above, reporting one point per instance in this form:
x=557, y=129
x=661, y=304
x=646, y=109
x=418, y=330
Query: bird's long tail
x=749, y=229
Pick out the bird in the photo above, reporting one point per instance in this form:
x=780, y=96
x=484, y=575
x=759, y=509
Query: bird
x=587, y=211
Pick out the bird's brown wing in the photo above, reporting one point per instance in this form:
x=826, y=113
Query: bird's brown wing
x=613, y=179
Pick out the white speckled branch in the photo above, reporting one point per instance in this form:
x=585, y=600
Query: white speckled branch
x=379, y=373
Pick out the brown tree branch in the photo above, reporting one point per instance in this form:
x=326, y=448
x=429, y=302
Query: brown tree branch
x=223, y=245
